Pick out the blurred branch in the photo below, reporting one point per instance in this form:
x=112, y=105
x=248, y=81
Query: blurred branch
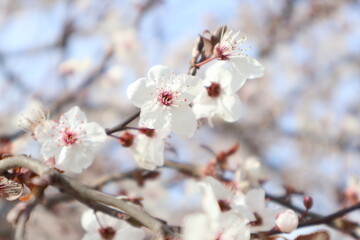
x=85, y=194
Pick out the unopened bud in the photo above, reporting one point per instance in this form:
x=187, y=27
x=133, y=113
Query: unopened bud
x=126, y=139
x=308, y=202
x=287, y=221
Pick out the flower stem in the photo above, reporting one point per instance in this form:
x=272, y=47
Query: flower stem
x=204, y=62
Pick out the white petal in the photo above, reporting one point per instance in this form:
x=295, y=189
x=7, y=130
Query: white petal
x=183, y=121
x=160, y=74
x=76, y=158
x=217, y=73
x=45, y=131
x=220, y=191
x=50, y=149
x=249, y=67
x=209, y=202
x=73, y=116
x=154, y=115
x=95, y=135
x=149, y=152
x=189, y=86
x=255, y=199
x=205, y=106
x=229, y=107
x=197, y=227
x=139, y=92
x=229, y=84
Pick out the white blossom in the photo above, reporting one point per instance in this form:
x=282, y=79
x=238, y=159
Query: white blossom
x=164, y=100
x=72, y=141
x=264, y=217
x=218, y=98
x=249, y=173
x=287, y=221
x=233, y=58
x=148, y=148
x=212, y=223
x=229, y=199
x=33, y=118
x=102, y=226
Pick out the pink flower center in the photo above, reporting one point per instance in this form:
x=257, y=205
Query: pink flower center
x=222, y=51
x=107, y=233
x=214, y=90
x=69, y=137
x=166, y=97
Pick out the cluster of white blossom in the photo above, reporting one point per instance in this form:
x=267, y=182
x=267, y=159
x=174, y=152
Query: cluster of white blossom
x=228, y=213
x=170, y=102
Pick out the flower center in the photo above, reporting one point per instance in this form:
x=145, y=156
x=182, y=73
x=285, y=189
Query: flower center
x=222, y=51
x=107, y=233
x=69, y=137
x=166, y=97
x=258, y=221
x=224, y=205
x=214, y=90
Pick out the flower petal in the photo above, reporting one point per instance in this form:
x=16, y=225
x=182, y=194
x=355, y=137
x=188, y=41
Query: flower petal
x=73, y=116
x=149, y=152
x=159, y=74
x=154, y=116
x=50, y=149
x=139, y=92
x=249, y=67
x=95, y=135
x=229, y=108
x=183, y=121
x=75, y=158
x=202, y=229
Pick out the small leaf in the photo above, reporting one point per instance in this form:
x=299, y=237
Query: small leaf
x=319, y=235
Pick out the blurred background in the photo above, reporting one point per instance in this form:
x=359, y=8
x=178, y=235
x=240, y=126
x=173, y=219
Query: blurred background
x=301, y=120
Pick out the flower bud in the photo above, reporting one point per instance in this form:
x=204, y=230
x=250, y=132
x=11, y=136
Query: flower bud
x=287, y=221
x=308, y=202
x=126, y=139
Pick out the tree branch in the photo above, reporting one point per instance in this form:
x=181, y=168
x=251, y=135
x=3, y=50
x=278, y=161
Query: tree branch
x=82, y=193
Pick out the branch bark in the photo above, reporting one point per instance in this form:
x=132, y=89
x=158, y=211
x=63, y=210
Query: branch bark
x=82, y=193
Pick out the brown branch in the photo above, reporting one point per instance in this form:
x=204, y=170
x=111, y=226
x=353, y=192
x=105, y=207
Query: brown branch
x=185, y=168
x=85, y=194
x=121, y=126
x=315, y=218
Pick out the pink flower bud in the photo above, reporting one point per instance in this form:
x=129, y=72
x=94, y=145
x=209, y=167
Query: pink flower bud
x=287, y=221
x=308, y=202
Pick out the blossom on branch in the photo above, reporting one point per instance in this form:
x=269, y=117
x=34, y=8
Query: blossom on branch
x=287, y=221
x=218, y=98
x=34, y=120
x=164, y=100
x=72, y=141
x=99, y=226
x=264, y=217
x=233, y=58
x=212, y=223
x=146, y=145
